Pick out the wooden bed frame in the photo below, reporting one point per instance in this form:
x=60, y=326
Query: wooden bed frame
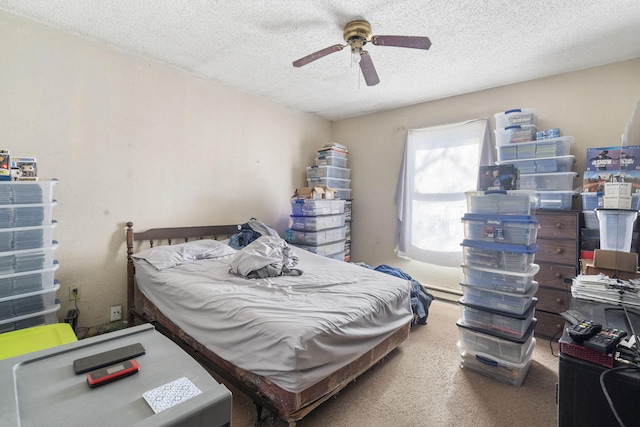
x=288, y=406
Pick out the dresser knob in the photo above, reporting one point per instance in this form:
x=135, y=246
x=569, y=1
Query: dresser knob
x=558, y=300
x=559, y=250
x=558, y=327
x=559, y=225
x=558, y=276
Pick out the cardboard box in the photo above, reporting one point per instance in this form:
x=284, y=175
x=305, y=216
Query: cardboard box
x=623, y=265
x=319, y=192
x=617, y=195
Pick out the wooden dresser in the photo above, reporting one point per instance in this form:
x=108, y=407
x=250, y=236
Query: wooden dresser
x=557, y=256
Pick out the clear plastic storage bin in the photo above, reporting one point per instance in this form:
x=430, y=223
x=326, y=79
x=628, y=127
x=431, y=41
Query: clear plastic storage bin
x=509, y=202
x=343, y=193
x=591, y=201
x=553, y=147
x=542, y=165
x=500, y=280
x=325, y=250
x=315, y=238
x=28, y=303
x=315, y=207
x=497, y=300
x=558, y=181
x=331, y=159
x=327, y=172
x=514, y=229
x=26, y=192
x=503, y=324
x=329, y=182
x=20, y=238
x=44, y=317
x=499, y=256
x=315, y=223
x=25, y=215
x=510, y=373
x=616, y=228
x=515, y=133
x=512, y=350
x=555, y=200
x=27, y=260
x=516, y=116
x=27, y=281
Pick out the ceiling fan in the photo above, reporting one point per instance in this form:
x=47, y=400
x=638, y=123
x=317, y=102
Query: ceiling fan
x=357, y=34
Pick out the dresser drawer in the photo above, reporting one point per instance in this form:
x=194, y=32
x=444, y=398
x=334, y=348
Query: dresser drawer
x=558, y=251
x=552, y=275
x=549, y=325
x=553, y=300
x=553, y=225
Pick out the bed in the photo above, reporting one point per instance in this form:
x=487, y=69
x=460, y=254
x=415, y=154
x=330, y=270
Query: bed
x=288, y=342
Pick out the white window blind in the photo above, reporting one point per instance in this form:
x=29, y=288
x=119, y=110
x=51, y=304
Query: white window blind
x=440, y=164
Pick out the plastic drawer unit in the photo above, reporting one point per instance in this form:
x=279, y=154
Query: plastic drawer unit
x=506, y=302
x=558, y=181
x=327, y=172
x=315, y=238
x=506, y=324
x=315, y=223
x=499, y=256
x=509, y=202
x=511, y=373
x=514, y=229
x=536, y=149
x=329, y=182
x=329, y=249
x=555, y=200
x=27, y=259
x=26, y=192
x=315, y=207
x=500, y=280
x=509, y=349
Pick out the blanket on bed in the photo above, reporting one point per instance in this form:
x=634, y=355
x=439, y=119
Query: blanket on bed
x=266, y=256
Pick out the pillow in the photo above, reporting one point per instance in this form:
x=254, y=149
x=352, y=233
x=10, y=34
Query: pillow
x=163, y=257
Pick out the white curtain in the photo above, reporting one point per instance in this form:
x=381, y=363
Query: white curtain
x=440, y=165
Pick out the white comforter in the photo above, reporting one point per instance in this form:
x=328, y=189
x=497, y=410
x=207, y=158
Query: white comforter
x=293, y=330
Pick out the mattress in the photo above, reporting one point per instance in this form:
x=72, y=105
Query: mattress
x=293, y=330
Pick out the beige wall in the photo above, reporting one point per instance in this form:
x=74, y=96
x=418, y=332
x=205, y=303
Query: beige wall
x=132, y=140
x=593, y=105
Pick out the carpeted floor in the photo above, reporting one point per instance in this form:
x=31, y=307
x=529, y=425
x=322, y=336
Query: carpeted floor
x=421, y=384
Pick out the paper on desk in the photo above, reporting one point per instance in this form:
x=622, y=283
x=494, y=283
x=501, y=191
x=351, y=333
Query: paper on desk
x=170, y=394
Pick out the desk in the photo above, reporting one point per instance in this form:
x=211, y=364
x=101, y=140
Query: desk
x=581, y=401
x=41, y=388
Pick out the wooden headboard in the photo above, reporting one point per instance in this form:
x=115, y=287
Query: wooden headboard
x=169, y=235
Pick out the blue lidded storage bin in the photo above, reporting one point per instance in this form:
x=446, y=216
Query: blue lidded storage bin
x=500, y=256
x=513, y=229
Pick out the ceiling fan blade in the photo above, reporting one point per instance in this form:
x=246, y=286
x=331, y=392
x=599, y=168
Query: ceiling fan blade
x=414, y=42
x=368, y=70
x=317, y=55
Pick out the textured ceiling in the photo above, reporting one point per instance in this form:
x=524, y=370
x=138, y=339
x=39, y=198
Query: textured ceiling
x=250, y=45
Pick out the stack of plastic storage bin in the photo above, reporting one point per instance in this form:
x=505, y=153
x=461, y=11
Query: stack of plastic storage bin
x=318, y=226
x=27, y=265
x=545, y=165
x=330, y=169
x=498, y=303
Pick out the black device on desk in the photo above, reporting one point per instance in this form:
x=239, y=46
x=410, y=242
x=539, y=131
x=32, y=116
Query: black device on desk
x=582, y=399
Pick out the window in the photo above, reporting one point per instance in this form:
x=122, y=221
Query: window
x=440, y=164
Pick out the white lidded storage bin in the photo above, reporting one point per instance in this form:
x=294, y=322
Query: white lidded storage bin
x=516, y=116
x=515, y=134
x=499, y=256
x=26, y=260
x=500, y=280
x=331, y=159
x=506, y=302
x=511, y=349
x=555, y=200
x=558, y=181
x=327, y=172
x=315, y=207
x=20, y=238
x=542, y=165
x=315, y=223
x=328, y=249
x=26, y=192
x=509, y=202
x=507, y=325
x=511, y=373
x=616, y=228
x=329, y=182
x=553, y=147
x=315, y=238
x=514, y=229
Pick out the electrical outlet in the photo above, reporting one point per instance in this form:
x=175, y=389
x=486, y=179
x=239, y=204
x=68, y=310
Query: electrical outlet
x=74, y=293
x=116, y=313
